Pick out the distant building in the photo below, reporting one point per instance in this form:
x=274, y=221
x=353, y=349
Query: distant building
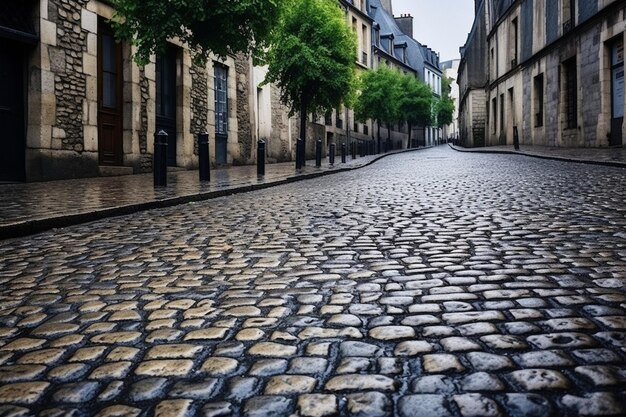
x=552, y=72
x=451, y=70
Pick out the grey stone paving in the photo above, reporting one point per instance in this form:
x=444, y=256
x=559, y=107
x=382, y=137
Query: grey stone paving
x=433, y=283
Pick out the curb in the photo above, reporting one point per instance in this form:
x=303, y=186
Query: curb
x=549, y=157
x=31, y=227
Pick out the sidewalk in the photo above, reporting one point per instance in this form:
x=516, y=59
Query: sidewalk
x=596, y=156
x=28, y=208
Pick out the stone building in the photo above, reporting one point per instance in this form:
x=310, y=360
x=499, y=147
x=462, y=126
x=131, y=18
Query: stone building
x=81, y=107
x=472, y=80
x=554, y=73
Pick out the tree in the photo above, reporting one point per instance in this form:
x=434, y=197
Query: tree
x=416, y=103
x=311, y=58
x=379, y=98
x=218, y=26
x=444, y=108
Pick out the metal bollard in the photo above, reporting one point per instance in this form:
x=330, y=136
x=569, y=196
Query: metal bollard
x=260, y=158
x=331, y=154
x=515, y=138
x=353, y=150
x=318, y=153
x=343, y=153
x=204, y=164
x=159, y=161
x=299, y=145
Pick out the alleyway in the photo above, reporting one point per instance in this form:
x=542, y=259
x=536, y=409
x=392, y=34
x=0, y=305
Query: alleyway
x=432, y=283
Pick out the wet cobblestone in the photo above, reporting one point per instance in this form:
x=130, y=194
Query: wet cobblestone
x=433, y=283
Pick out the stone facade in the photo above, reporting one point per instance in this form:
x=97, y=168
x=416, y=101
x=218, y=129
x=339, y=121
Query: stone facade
x=550, y=72
x=70, y=134
x=63, y=137
x=243, y=68
x=199, y=102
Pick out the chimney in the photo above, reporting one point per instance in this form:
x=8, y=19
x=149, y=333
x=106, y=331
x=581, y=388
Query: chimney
x=405, y=23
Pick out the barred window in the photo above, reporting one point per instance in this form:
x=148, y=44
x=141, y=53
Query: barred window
x=221, y=99
x=571, y=93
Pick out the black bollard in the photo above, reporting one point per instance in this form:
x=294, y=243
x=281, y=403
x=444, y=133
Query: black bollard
x=343, y=153
x=299, y=145
x=159, y=161
x=515, y=138
x=331, y=154
x=204, y=164
x=260, y=158
x=318, y=153
x=353, y=149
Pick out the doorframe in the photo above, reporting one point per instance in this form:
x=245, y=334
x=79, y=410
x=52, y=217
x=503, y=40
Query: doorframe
x=612, y=67
x=174, y=53
x=20, y=50
x=118, y=159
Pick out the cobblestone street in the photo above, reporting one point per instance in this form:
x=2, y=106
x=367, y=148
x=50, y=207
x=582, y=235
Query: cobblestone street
x=431, y=283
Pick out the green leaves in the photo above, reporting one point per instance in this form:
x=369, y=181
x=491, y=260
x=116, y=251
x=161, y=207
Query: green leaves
x=444, y=107
x=218, y=26
x=416, y=102
x=311, y=56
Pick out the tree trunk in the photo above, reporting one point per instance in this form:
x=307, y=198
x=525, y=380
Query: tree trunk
x=408, y=144
x=303, y=106
x=379, y=139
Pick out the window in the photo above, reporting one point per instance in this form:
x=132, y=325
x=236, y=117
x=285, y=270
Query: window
x=493, y=64
x=501, y=113
x=328, y=118
x=571, y=93
x=109, y=71
x=538, y=99
x=364, y=44
x=338, y=120
x=354, y=24
x=221, y=99
x=494, y=105
x=515, y=42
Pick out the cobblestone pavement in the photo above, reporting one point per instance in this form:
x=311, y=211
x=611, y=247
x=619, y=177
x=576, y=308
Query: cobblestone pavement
x=23, y=202
x=433, y=283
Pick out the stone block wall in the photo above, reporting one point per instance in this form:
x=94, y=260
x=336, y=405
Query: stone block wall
x=199, y=102
x=244, y=135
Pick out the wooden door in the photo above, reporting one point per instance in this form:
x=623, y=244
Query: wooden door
x=12, y=139
x=110, y=102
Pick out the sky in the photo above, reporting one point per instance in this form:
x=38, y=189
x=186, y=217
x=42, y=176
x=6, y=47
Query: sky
x=443, y=25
